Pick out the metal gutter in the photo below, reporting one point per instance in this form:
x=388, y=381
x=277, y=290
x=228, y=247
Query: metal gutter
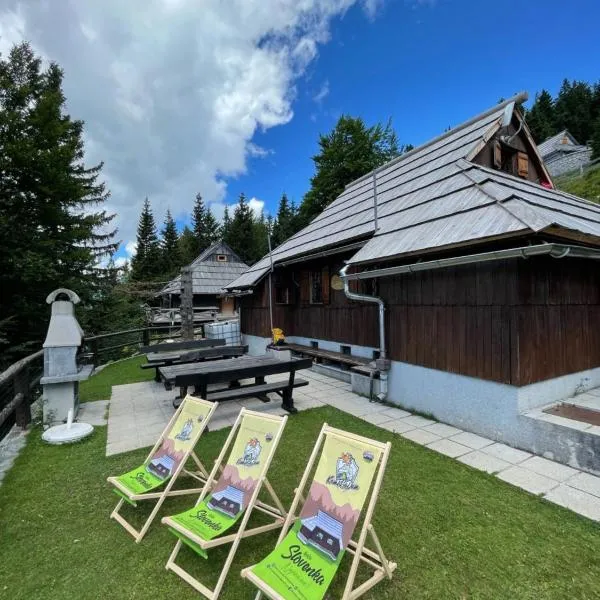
x=554, y=250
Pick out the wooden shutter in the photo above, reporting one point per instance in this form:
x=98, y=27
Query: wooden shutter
x=522, y=164
x=497, y=155
x=325, y=285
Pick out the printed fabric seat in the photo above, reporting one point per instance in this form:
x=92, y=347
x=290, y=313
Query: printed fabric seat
x=165, y=463
x=243, y=464
x=312, y=545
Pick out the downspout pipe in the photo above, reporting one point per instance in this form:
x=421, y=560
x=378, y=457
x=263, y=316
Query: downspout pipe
x=382, y=364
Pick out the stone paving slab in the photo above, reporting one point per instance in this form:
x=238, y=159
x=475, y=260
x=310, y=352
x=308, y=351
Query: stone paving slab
x=527, y=480
x=471, y=440
x=397, y=426
x=586, y=483
x=443, y=430
x=507, y=453
x=548, y=468
x=484, y=462
x=576, y=500
x=420, y=436
x=93, y=413
x=448, y=447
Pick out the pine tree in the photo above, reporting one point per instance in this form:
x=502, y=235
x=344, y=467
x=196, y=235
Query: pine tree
x=573, y=109
x=595, y=141
x=285, y=224
x=211, y=228
x=348, y=152
x=145, y=264
x=226, y=226
x=187, y=246
x=240, y=232
x=53, y=229
x=171, y=258
x=541, y=118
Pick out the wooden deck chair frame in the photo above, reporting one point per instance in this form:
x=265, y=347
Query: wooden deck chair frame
x=201, y=475
x=373, y=558
x=277, y=512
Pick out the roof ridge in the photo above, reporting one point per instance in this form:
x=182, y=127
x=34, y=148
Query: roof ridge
x=517, y=98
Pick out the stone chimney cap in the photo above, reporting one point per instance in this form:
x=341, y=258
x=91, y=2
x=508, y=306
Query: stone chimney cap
x=73, y=297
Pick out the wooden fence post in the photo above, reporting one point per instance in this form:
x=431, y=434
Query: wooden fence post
x=146, y=337
x=187, y=304
x=22, y=410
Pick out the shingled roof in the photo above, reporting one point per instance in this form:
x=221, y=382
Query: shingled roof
x=210, y=276
x=433, y=198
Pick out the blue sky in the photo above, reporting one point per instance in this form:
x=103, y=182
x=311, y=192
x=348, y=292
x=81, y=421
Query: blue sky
x=428, y=65
x=225, y=96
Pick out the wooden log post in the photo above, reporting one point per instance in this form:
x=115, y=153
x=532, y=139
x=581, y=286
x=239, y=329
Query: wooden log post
x=146, y=337
x=22, y=410
x=187, y=304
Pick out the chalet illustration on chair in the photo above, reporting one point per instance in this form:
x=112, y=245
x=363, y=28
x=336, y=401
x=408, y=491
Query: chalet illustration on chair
x=229, y=501
x=324, y=533
x=162, y=466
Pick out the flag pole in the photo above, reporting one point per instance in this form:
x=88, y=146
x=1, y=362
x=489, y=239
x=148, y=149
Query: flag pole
x=270, y=284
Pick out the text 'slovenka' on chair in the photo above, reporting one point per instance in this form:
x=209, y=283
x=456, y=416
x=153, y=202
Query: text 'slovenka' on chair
x=155, y=479
x=231, y=497
x=312, y=544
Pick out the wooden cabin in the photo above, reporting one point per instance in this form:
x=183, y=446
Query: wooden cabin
x=322, y=532
x=229, y=501
x=562, y=154
x=212, y=270
x=489, y=279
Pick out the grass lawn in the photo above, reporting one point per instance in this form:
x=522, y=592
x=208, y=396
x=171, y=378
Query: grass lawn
x=454, y=532
x=98, y=386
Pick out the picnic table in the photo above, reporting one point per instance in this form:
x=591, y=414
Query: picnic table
x=163, y=359
x=231, y=372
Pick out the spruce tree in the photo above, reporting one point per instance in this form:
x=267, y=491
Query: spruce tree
x=53, y=228
x=240, y=232
x=145, y=264
x=348, y=152
x=573, y=109
x=169, y=245
x=205, y=226
x=211, y=228
x=187, y=246
x=541, y=118
x=595, y=141
x=226, y=226
x=284, y=225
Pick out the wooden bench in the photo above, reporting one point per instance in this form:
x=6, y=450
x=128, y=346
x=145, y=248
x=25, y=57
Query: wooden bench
x=254, y=390
x=319, y=354
x=185, y=345
x=232, y=371
x=180, y=358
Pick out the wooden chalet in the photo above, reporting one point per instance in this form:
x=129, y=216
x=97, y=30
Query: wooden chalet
x=212, y=270
x=486, y=276
x=229, y=501
x=322, y=532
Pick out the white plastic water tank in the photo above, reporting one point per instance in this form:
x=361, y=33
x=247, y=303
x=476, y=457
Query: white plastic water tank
x=225, y=330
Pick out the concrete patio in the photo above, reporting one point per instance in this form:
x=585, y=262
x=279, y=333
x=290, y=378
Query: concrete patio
x=139, y=412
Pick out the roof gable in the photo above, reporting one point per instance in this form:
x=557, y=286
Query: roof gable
x=210, y=276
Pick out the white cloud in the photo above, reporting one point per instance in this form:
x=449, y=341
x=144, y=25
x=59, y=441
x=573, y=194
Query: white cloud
x=322, y=93
x=131, y=248
x=120, y=261
x=173, y=91
x=257, y=206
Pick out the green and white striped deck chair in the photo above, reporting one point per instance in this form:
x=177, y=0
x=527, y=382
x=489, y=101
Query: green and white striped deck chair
x=232, y=497
x=154, y=480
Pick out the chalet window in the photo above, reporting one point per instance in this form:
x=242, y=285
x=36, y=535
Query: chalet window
x=316, y=287
x=221, y=258
x=282, y=294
